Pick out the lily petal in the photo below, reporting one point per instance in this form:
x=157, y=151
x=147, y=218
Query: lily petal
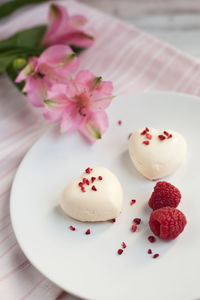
x=84, y=78
x=101, y=96
x=58, y=63
x=56, y=102
x=58, y=91
x=66, y=29
x=71, y=119
x=57, y=18
x=56, y=55
x=73, y=89
x=36, y=89
x=53, y=111
x=75, y=38
x=76, y=21
x=94, y=126
x=64, y=92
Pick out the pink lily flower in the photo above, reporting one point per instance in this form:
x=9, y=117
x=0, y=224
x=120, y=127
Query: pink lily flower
x=66, y=29
x=55, y=64
x=80, y=104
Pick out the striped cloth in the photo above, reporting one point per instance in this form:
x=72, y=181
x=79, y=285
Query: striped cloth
x=133, y=60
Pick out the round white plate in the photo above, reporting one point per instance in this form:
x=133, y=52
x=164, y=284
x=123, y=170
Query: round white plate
x=88, y=265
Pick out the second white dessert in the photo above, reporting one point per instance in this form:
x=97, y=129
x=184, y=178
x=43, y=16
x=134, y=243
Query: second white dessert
x=155, y=153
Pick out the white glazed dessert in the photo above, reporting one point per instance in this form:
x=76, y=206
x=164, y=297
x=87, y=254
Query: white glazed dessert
x=156, y=154
x=95, y=196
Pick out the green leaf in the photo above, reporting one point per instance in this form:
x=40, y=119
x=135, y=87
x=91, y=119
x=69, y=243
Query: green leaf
x=9, y=7
x=24, y=39
x=6, y=58
x=22, y=44
x=5, y=61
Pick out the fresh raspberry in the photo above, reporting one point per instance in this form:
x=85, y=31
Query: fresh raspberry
x=164, y=194
x=167, y=222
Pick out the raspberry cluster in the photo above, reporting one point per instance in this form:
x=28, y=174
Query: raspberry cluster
x=166, y=221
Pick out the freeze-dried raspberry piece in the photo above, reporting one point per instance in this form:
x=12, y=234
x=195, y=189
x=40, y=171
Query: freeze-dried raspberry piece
x=167, y=222
x=164, y=194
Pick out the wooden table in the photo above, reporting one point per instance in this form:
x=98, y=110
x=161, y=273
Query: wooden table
x=175, y=21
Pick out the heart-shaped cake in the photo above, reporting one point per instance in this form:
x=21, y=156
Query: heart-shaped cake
x=95, y=196
x=156, y=154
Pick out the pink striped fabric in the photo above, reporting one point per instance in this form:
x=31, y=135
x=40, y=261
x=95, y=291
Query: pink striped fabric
x=133, y=60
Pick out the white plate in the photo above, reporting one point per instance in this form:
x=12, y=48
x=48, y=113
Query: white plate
x=88, y=265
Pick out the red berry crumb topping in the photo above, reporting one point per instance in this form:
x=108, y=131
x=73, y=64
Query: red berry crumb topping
x=149, y=251
x=164, y=194
x=86, y=181
x=137, y=221
x=148, y=136
x=134, y=227
x=146, y=143
x=132, y=202
x=114, y=220
x=120, y=251
x=161, y=137
x=151, y=239
x=145, y=131
x=166, y=133
x=119, y=122
x=167, y=222
x=93, y=179
x=124, y=245
x=88, y=170
x=155, y=255
x=80, y=184
x=72, y=228
x=87, y=231
x=83, y=189
x=100, y=177
x=94, y=188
